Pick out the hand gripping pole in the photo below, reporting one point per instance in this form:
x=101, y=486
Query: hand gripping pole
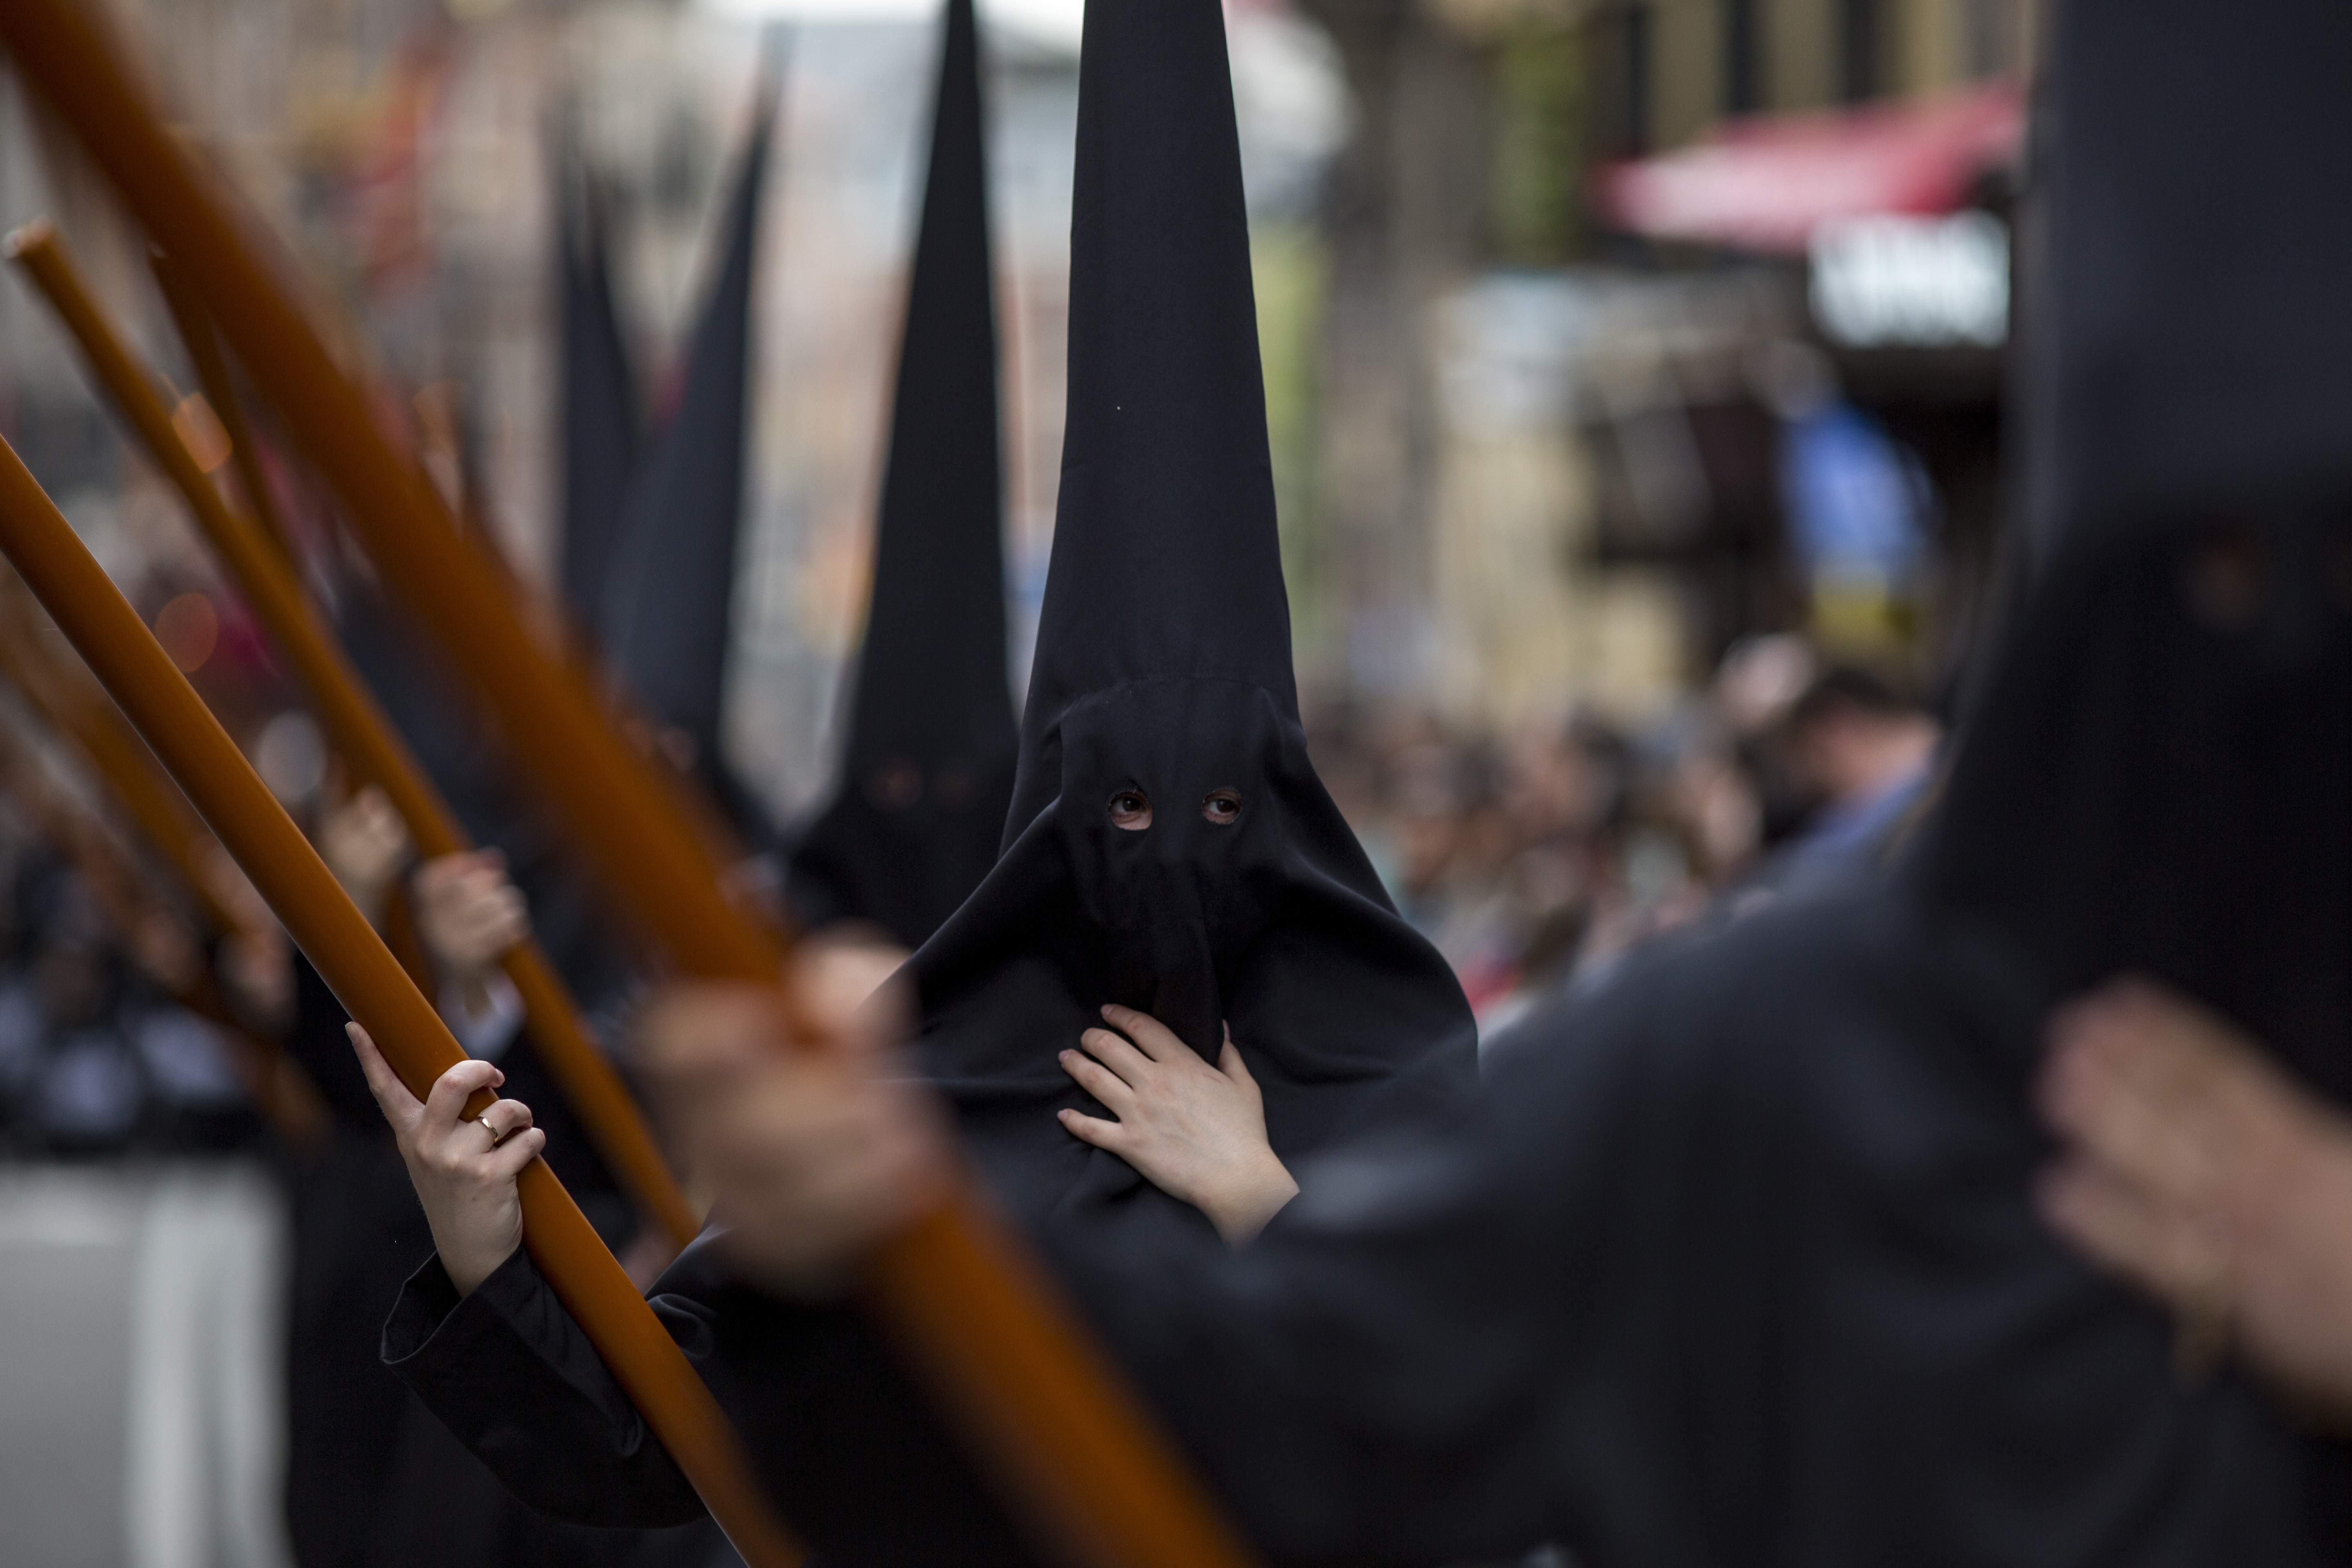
x=358, y=729
x=354, y=961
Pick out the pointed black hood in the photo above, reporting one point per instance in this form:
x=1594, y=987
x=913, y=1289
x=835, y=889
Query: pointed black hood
x=2158, y=774
x=598, y=407
x=1163, y=678
x=1166, y=562
x=927, y=771
x=2187, y=334
x=669, y=598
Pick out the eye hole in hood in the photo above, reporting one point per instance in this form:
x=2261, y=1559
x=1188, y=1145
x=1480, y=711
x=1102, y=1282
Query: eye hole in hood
x=1130, y=809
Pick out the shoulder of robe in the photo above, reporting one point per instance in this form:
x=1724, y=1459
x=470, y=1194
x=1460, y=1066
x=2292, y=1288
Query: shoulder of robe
x=1732, y=998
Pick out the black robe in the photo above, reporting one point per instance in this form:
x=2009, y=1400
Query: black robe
x=1693, y=1282
x=372, y=1479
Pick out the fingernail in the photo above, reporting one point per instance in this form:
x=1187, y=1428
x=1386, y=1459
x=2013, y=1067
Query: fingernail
x=1067, y=1055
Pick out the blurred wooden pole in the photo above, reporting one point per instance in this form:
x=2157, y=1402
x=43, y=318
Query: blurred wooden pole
x=359, y=730
x=211, y=364
x=1039, y=1402
x=280, y=1092
x=365, y=976
x=115, y=754
x=219, y=388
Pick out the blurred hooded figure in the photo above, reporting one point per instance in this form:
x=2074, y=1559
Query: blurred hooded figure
x=666, y=620
x=1169, y=846
x=1737, y=1260
x=927, y=770
x=603, y=430
x=372, y=1479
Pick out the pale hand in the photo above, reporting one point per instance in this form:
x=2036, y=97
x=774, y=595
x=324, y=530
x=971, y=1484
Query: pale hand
x=464, y=1172
x=365, y=843
x=813, y=1142
x=2198, y=1169
x=1196, y=1131
x=469, y=916
x=257, y=969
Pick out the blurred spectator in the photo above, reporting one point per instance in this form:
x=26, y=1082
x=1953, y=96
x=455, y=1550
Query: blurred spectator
x=1541, y=859
x=1864, y=755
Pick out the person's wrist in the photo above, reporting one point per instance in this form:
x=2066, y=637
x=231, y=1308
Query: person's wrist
x=467, y=1267
x=469, y=983
x=1252, y=1195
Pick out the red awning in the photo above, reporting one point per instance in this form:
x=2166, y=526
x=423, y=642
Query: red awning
x=1764, y=183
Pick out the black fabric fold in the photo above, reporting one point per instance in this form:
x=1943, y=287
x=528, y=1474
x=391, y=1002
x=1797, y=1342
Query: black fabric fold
x=508, y=1347
x=850, y=1450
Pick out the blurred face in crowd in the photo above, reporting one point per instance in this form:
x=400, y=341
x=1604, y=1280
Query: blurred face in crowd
x=1847, y=754
x=1556, y=787
x=72, y=985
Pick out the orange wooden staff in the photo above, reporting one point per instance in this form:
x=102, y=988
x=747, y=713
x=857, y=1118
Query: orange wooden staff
x=1007, y=1357
x=354, y=961
x=359, y=729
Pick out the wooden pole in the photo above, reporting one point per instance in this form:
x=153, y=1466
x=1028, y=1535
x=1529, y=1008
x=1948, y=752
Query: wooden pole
x=115, y=753
x=358, y=729
x=625, y=812
x=211, y=364
x=1040, y=1402
x=370, y=982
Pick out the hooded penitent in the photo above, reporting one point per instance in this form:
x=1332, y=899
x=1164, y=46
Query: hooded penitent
x=919, y=810
x=668, y=616
x=1162, y=688
x=2159, y=776
x=1739, y=1261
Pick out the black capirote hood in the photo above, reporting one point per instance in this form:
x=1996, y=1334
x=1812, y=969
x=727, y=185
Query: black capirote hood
x=919, y=809
x=667, y=621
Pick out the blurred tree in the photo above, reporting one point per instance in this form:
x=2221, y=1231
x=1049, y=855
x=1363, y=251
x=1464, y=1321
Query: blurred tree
x=1404, y=214
x=1538, y=145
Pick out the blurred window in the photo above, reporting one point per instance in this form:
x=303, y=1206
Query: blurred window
x=1634, y=134
x=1857, y=46
x=1742, y=67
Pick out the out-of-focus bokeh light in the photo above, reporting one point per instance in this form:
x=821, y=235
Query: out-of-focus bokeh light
x=291, y=755
x=189, y=629
x=200, y=429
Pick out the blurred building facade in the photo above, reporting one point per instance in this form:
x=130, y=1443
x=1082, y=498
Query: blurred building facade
x=1557, y=412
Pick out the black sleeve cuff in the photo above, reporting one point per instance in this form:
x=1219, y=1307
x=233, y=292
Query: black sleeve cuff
x=506, y=1370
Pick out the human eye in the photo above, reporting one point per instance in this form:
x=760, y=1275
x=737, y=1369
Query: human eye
x=1130, y=809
